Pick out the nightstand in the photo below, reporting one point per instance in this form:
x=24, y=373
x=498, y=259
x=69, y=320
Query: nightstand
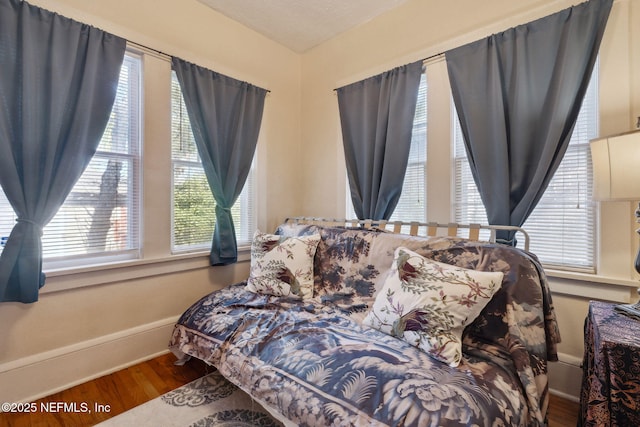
x=610, y=393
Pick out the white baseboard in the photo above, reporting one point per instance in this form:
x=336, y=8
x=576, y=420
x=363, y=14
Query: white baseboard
x=565, y=377
x=49, y=372
x=42, y=374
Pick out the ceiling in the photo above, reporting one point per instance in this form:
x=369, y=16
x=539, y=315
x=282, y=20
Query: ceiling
x=301, y=24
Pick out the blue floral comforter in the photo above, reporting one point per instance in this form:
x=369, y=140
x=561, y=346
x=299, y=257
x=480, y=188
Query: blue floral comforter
x=312, y=363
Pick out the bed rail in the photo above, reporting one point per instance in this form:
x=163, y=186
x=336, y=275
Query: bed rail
x=414, y=228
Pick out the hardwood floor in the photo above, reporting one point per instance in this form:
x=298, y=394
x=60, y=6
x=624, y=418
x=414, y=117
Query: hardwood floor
x=137, y=384
x=563, y=412
x=121, y=391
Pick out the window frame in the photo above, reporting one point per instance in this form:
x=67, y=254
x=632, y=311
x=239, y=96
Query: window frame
x=243, y=210
x=588, y=263
x=416, y=160
x=134, y=210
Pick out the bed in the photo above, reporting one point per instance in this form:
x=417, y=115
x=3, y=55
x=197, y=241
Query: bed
x=382, y=328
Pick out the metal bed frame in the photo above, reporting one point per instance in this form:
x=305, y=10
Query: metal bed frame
x=415, y=228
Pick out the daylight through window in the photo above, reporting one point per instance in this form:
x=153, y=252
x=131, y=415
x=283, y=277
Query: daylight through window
x=193, y=210
x=99, y=219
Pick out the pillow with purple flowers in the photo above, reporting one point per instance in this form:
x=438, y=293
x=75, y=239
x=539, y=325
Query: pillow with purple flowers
x=428, y=303
x=282, y=266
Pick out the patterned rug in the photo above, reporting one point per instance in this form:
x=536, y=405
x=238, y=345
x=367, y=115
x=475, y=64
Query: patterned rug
x=207, y=401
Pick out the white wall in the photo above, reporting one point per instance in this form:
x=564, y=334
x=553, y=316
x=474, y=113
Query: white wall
x=421, y=28
x=96, y=320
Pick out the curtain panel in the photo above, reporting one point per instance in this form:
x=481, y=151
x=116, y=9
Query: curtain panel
x=225, y=116
x=376, y=116
x=58, y=81
x=518, y=95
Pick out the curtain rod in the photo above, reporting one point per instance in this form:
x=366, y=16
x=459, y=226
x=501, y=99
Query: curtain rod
x=161, y=53
x=428, y=58
x=145, y=47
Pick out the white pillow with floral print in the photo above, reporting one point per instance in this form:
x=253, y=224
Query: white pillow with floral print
x=282, y=266
x=428, y=303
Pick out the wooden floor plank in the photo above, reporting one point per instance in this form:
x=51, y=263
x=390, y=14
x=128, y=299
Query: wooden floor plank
x=148, y=380
x=563, y=412
x=135, y=394
x=130, y=387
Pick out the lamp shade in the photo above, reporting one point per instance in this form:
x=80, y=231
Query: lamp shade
x=616, y=167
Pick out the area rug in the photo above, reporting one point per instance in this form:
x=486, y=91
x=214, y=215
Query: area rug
x=207, y=401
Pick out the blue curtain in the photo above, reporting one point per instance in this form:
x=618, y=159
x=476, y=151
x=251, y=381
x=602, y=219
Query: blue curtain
x=376, y=116
x=225, y=116
x=518, y=95
x=58, y=81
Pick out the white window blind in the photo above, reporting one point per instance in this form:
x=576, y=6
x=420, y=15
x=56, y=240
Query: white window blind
x=412, y=205
x=99, y=220
x=7, y=219
x=562, y=226
x=193, y=208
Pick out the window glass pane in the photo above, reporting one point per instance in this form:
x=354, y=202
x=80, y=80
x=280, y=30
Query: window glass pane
x=562, y=226
x=193, y=210
x=101, y=214
x=193, y=207
x=95, y=217
x=468, y=207
x=563, y=223
x=183, y=144
x=7, y=219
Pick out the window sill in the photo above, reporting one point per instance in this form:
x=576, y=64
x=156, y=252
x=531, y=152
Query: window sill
x=73, y=278
x=583, y=285
x=592, y=286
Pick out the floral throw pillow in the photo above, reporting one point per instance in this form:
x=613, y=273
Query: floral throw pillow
x=428, y=303
x=282, y=266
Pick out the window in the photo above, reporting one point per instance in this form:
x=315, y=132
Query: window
x=562, y=226
x=99, y=219
x=412, y=205
x=193, y=210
